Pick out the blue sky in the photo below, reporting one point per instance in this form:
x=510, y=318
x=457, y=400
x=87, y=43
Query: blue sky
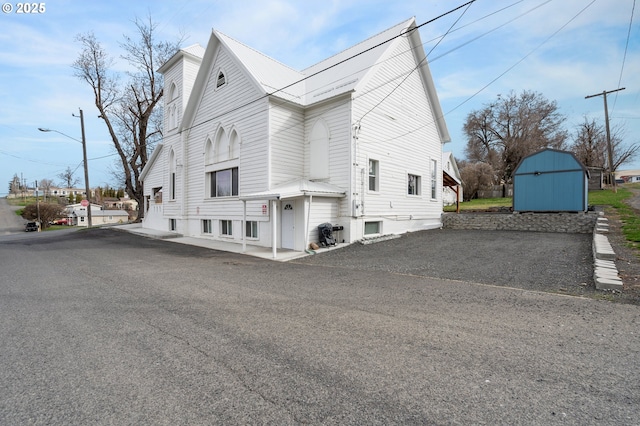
x=564, y=49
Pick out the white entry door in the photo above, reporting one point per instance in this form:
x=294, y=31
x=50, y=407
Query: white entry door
x=288, y=225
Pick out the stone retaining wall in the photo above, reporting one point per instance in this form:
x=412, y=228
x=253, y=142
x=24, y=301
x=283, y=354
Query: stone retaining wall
x=575, y=223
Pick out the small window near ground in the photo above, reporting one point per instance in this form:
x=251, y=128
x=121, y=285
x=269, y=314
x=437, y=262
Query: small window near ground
x=226, y=227
x=206, y=226
x=252, y=229
x=414, y=185
x=371, y=228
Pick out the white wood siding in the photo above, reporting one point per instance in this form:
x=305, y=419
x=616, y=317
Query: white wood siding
x=225, y=107
x=287, y=143
x=397, y=130
x=337, y=116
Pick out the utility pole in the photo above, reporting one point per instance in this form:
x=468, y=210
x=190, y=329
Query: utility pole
x=86, y=168
x=604, y=93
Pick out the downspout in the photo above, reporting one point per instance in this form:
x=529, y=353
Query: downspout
x=244, y=226
x=306, y=238
x=274, y=229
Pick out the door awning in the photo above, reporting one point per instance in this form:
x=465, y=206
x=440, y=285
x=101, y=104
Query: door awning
x=297, y=188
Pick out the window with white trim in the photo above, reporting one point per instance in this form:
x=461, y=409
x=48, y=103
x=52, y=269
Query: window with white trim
x=206, y=226
x=226, y=228
x=374, y=168
x=434, y=178
x=251, y=229
x=413, y=187
x=172, y=225
x=371, y=228
x=223, y=183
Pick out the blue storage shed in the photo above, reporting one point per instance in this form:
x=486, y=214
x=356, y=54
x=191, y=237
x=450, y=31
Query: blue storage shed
x=550, y=181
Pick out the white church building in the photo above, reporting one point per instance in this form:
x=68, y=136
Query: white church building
x=257, y=153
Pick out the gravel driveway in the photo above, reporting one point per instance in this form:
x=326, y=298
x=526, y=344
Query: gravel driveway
x=551, y=262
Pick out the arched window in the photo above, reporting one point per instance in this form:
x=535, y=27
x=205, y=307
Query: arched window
x=319, y=151
x=173, y=92
x=234, y=145
x=209, y=154
x=221, y=79
x=222, y=146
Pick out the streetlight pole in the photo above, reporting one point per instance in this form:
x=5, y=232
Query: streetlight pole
x=612, y=176
x=86, y=164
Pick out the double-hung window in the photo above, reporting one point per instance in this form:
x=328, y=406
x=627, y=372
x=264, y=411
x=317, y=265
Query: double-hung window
x=226, y=227
x=251, y=229
x=374, y=168
x=413, y=184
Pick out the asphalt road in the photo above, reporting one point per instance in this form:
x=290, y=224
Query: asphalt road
x=104, y=327
x=10, y=222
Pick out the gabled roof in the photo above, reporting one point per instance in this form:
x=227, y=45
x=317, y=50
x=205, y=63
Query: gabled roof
x=549, y=160
x=450, y=177
x=297, y=188
x=195, y=51
x=149, y=165
x=341, y=73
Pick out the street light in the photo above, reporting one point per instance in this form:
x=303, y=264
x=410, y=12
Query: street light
x=86, y=165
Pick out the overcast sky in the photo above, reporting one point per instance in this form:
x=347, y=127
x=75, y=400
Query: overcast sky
x=563, y=49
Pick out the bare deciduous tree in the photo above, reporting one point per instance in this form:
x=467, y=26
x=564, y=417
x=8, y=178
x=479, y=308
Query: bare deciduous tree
x=45, y=185
x=68, y=179
x=475, y=176
x=590, y=145
x=131, y=111
x=512, y=127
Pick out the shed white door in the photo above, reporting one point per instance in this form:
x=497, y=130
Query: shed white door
x=288, y=225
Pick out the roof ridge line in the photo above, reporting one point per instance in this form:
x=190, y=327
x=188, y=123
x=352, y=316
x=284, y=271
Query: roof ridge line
x=406, y=21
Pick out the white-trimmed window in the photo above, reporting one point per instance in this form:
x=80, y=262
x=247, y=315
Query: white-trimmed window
x=434, y=178
x=374, y=175
x=413, y=184
x=223, y=183
x=206, y=226
x=226, y=228
x=251, y=229
x=172, y=225
x=371, y=228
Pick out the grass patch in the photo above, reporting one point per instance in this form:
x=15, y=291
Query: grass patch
x=628, y=216
x=481, y=204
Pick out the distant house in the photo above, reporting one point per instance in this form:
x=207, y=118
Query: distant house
x=549, y=181
x=102, y=217
x=451, y=180
x=65, y=192
x=77, y=215
x=255, y=152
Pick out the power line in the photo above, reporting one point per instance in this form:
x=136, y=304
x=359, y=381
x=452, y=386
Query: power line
x=624, y=58
x=322, y=70
x=497, y=78
x=418, y=65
